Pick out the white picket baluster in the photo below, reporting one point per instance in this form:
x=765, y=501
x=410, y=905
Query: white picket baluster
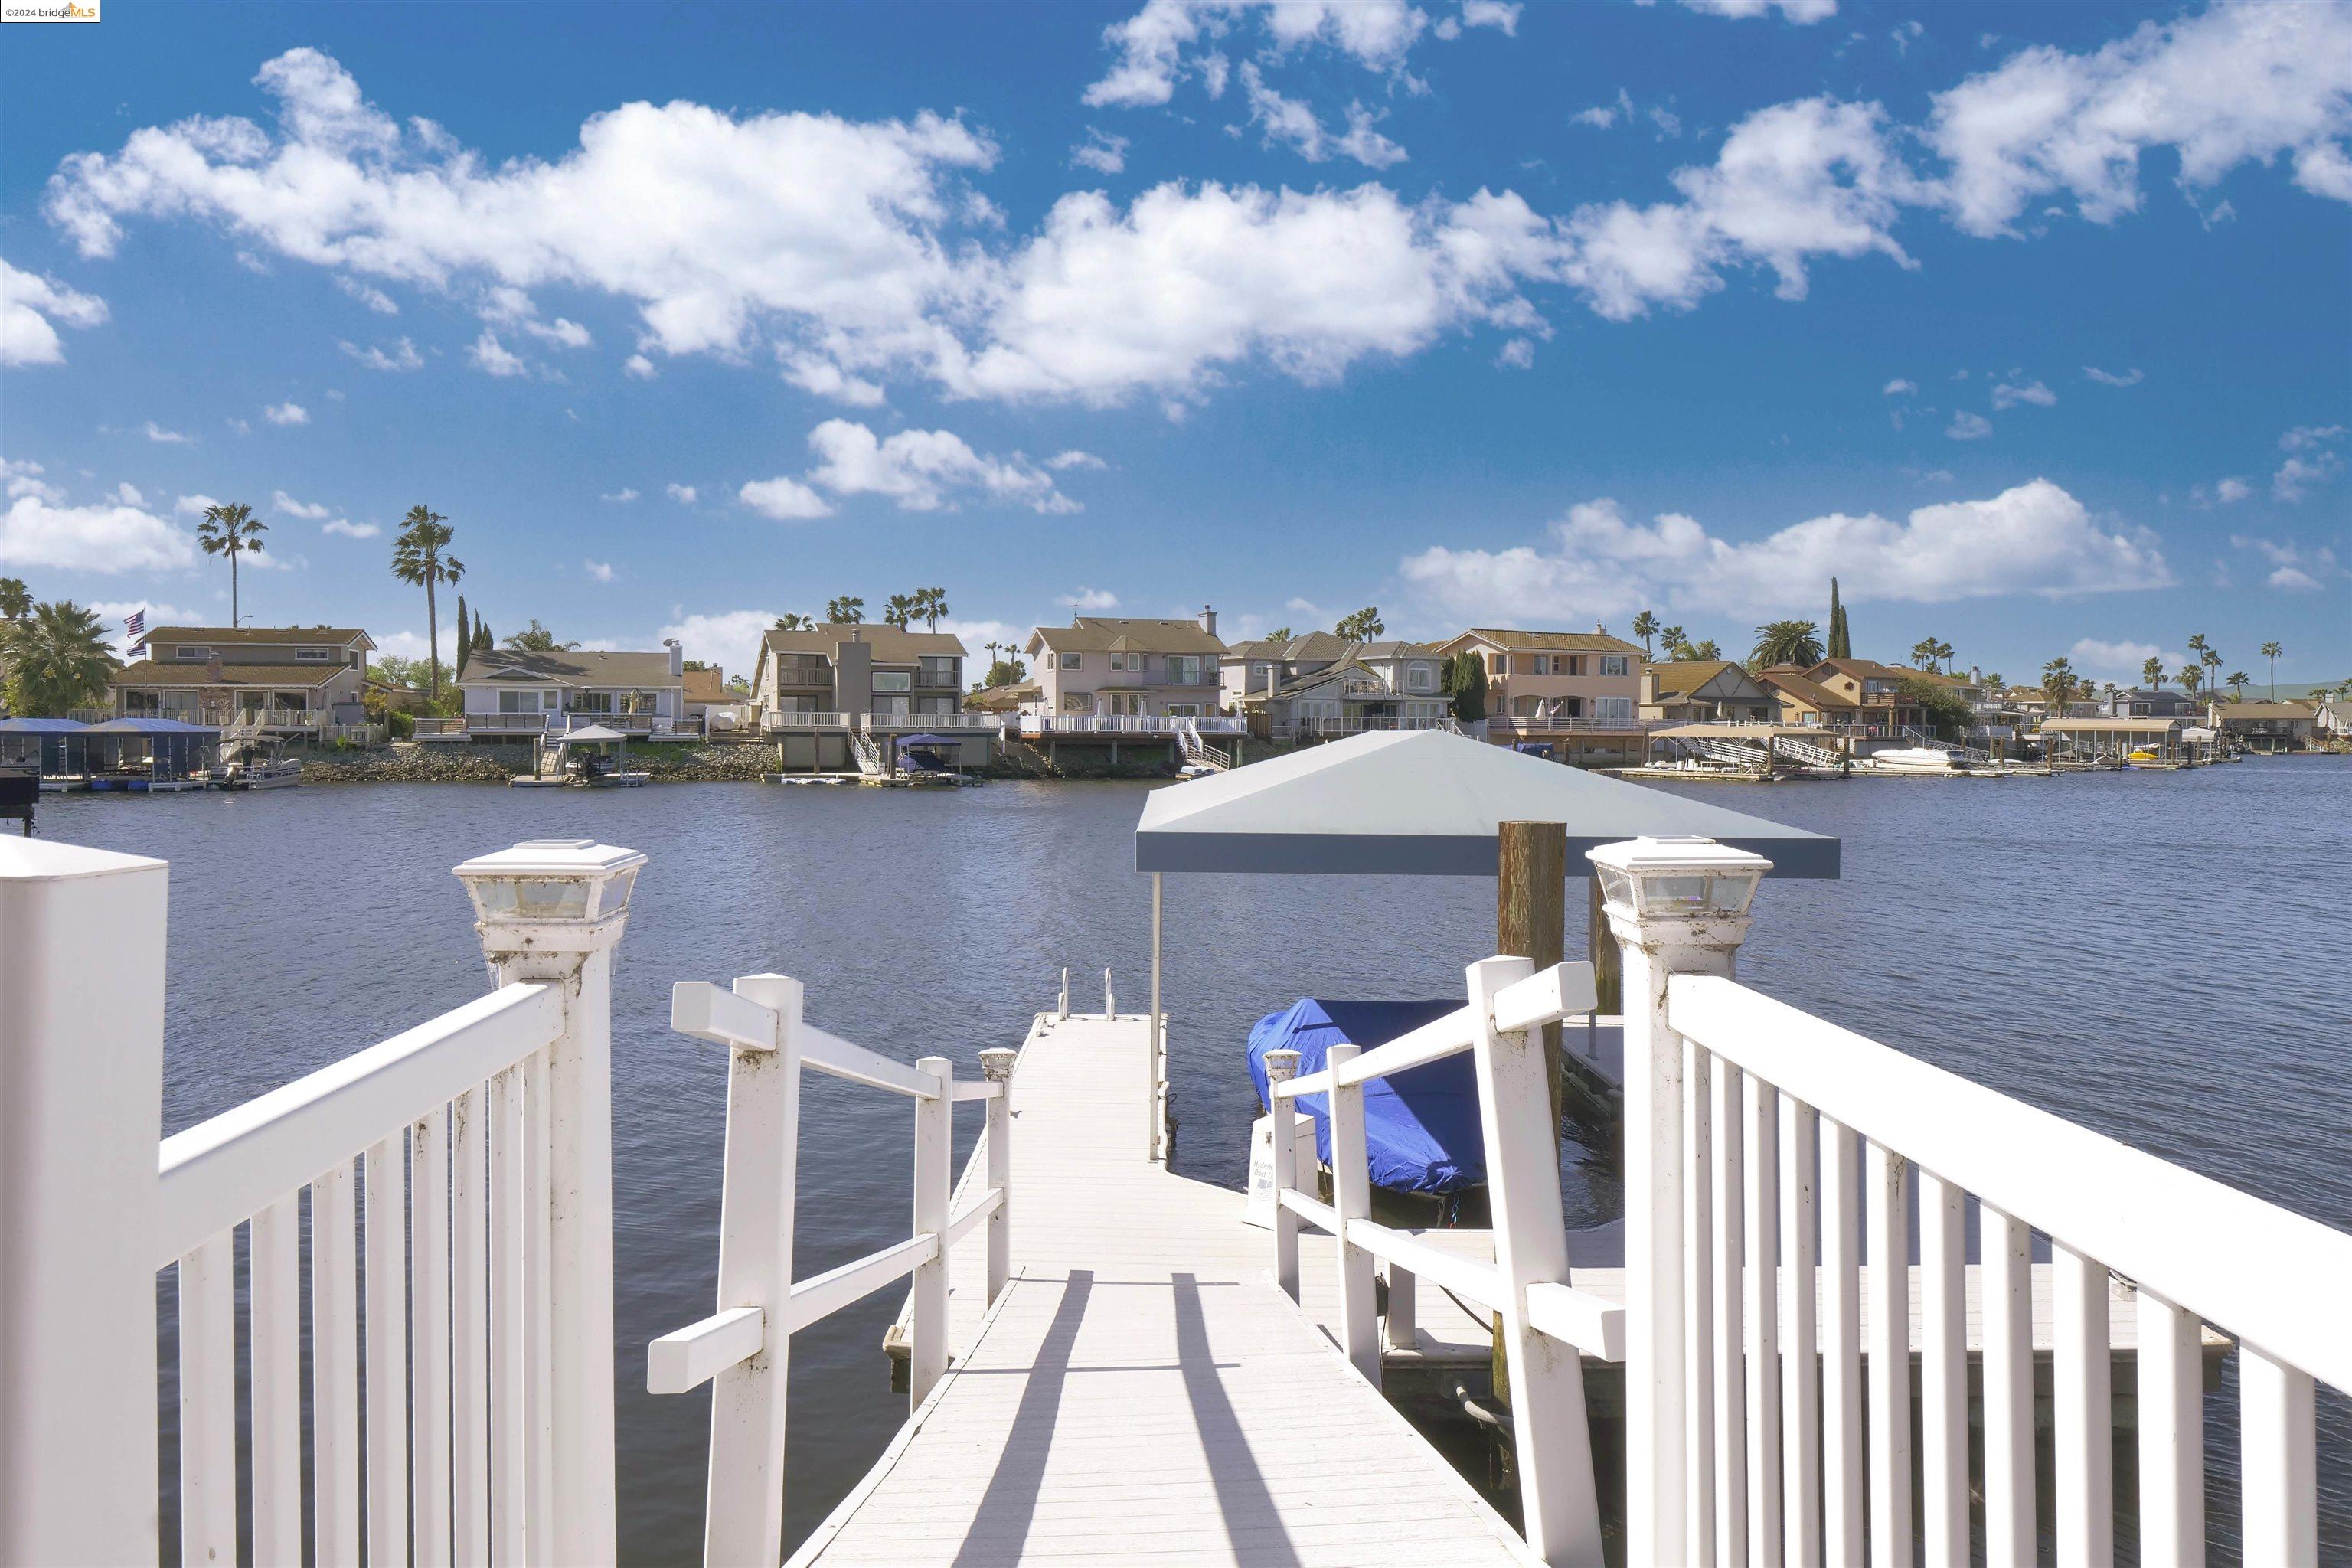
x=1845, y=1484
x=1944, y=1371
x=1351, y=1197
x=2171, y=1435
x=1281, y=1067
x=1759, y=1302
x=1888, y=1193
x=387, y=1351
x=208, y=1403
x=2277, y=1454
x=509, y=1533
x=1730, y=1378
x=538, y=1312
x=1800, y=1506
x=927, y=1358
x=334, y=1368
x=996, y=1067
x=274, y=1261
x=469, y=1326
x=2006, y=1290
x=429, y=1331
x=2081, y=1416
x=1698, y=1301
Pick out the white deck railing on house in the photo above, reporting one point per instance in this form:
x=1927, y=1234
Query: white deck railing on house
x=1546, y=1322
x=1126, y=724
x=745, y=1344
x=774, y=720
x=942, y=723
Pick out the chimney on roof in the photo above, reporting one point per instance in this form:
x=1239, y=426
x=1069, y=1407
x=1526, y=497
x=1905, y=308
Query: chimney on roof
x=212, y=670
x=1209, y=620
x=676, y=655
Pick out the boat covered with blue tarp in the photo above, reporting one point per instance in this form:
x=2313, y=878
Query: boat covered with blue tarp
x=1422, y=1127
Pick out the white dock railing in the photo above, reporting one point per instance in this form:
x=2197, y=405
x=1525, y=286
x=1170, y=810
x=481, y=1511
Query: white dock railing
x=745, y=1344
x=1545, y=1320
x=1771, y=1159
x=476, y=1153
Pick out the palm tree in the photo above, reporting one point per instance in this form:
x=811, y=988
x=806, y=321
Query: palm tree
x=1671, y=639
x=57, y=660
x=2152, y=672
x=794, y=623
x=900, y=609
x=2191, y=677
x=536, y=638
x=418, y=560
x=15, y=601
x=1787, y=642
x=931, y=604
x=2237, y=679
x=1704, y=650
x=230, y=529
x=1646, y=626
x=1362, y=625
x=2058, y=683
x=1923, y=653
x=845, y=611
x=2212, y=662
x=2270, y=651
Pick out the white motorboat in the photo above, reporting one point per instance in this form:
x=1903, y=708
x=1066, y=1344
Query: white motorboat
x=259, y=764
x=1921, y=760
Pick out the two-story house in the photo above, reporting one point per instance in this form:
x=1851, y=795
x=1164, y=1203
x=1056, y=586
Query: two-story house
x=513, y=695
x=288, y=680
x=2268, y=726
x=1580, y=691
x=1126, y=667
x=1803, y=700
x=1705, y=691
x=2139, y=702
x=1371, y=686
x=861, y=674
x=1251, y=669
x=1881, y=707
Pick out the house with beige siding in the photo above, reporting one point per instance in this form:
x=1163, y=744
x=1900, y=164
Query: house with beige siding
x=1705, y=691
x=512, y=695
x=1127, y=667
x=1369, y=686
x=823, y=692
x=1579, y=692
x=288, y=680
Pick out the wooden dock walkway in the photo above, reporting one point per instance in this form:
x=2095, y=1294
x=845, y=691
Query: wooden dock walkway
x=1142, y=1392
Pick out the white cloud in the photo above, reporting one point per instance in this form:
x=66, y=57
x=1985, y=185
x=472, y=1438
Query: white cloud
x=2114, y=378
x=1496, y=13
x=30, y=304
x=784, y=499
x=730, y=639
x=1518, y=353
x=2296, y=568
x=410, y=645
x=350, y=529
x=1186, y=283
x=1968, y=426
x=128, y=494
x=2121, y=660
x=39, y=528
x=282, y=501
x=375, y=300
x=923, y=469
x=2312, y=459
x=685, y=495
x=1074, y=459
x=640, y=366
x=1289, y=123
x=2234, y=84
x=2231, y=490
x=601, y=571
x=287, y=414
x=168, y=437
x=623, y=495
x=1101, y=151
x=1159, y=43
x=2294, y=579
x=1089, y=601
x=1899, y=387
x=190, y=506
x=402, y=356
x=2034, y=538
x=2006, y=396
x=493, y=356
x=1799, y=10
x=1602, y=116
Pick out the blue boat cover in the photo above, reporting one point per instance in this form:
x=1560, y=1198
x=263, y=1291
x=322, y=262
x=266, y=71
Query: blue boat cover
x=1420, y=1127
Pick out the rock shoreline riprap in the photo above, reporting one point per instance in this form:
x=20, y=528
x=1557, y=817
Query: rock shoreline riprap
x=408, y=762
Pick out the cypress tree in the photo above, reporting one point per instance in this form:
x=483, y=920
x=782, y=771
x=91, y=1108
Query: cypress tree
x=465, y=636
x=1841, y=646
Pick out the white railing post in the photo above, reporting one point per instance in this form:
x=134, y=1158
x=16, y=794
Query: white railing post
x=1110, y=1002
x=1664, y=906
x=1062, y=1008
x=1558, y=1498
x=927, y=1356
x=996, y=1067
x=1351, y=1199
x=81, y=1104
x=553, y=910
x=1281, y=1067
x=744, y=1519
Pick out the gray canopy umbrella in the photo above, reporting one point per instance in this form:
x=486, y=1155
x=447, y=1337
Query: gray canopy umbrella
x=1419, y=804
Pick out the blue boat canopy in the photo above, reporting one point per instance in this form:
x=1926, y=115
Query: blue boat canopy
x=1420, y=1126
x=42, y=726
x=150, y=727
x=906, y=741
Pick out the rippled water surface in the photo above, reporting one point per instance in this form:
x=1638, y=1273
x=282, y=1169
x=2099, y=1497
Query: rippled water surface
x=2158, y=955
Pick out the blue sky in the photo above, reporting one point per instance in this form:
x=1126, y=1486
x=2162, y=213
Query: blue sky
x=2030, y=321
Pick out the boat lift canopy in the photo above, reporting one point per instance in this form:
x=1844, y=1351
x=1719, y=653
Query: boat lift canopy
x=1427, y=804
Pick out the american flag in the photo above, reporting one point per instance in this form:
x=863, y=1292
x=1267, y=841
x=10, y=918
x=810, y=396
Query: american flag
x=135, y=628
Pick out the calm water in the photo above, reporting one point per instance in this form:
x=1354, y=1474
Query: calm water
x=2160, y=956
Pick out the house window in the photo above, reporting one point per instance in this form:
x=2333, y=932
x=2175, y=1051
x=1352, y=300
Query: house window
x=1183, y=710
x=1120, y=661
x=141, y=703
x=1077, y=702
x=591, y=702
x=934, y=704
x=1498, y=664
x=518, y=702
x=892, y=680
x=939, y=670
x=1184, y=669
x=1417, y=677
x=314, y=655
x=189, y=650
x=892, y=706
x=1071, y=660
x=1613, y=710
x=1258, y=672
x=1612, y=664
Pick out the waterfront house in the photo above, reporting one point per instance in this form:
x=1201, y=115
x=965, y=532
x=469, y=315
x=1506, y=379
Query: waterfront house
x=2268, y=726
x=290, y=680
x=818, y=678
x=1881, y=706
x=2139, y=702
x=1253, y=668
x=712, y=704
x=1697, y=690
x=1299, y=690
x=1579, y=691
x=2333, y=718
x=512, y=694
x=1803, y=700
x=1126, y=667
